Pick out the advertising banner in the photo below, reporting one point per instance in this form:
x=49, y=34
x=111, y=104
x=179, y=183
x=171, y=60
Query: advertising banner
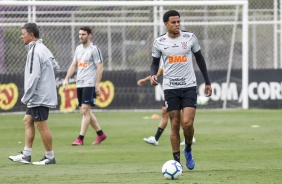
x=120, y=91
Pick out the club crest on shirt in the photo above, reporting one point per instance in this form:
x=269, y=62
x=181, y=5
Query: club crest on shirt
x=184, y=45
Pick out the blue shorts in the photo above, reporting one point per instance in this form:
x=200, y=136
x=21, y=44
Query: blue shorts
x=86, y=95
x=177, y=99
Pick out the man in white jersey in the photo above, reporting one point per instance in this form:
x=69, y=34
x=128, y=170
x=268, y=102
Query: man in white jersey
x=179, y=80
x=89, y=63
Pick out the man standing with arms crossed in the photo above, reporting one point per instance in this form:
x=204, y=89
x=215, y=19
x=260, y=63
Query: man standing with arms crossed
x=179, y=80
x=89, y=63
x=40, y=94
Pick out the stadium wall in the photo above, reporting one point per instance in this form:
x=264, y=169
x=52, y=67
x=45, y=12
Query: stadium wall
x=120, y=91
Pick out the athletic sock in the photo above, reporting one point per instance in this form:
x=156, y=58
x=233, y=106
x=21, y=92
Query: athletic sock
x=158, y=133
x=81, y=137
x=49, y=154
x=27, y=151
x=188, y=147
x=176, y=156
x=100, y=132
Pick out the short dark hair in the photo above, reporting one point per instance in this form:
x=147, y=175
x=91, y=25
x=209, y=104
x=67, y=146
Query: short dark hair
x=87, y=29
x=31, y=28
x=169, y=14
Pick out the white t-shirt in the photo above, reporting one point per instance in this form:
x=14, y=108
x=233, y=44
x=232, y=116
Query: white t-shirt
x=177, y=59
x=86, y=64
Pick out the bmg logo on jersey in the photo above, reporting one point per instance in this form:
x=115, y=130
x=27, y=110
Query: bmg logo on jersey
x=82, y=64
x=177, y=59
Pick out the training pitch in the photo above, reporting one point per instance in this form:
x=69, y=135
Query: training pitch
x=233, y=146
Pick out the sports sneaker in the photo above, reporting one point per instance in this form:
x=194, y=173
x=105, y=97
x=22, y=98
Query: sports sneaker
x=100, y=138
x=151, y=140
x=21, y=158
x=45, y=161
x=77, y=142
x=189, y=159
x=193, y=140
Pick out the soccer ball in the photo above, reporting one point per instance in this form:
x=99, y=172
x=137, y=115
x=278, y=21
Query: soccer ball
x=171, y=170
x=202, y=100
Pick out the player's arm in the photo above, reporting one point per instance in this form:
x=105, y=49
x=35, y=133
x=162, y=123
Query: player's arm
x=160, y=72
x=98, y=61
x=154, y=70
x=70, y=72
x=202, y=65
x=55, y=65
x=99, y=74
x=32, y=80
x=140, y=82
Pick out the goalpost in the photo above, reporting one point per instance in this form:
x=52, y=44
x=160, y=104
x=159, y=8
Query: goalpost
x=155, y=21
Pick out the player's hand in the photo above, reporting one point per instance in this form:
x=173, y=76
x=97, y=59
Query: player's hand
x=140, y=82
x=65, y=84
x=154, y=80
x=208, y=90
x=97, y=90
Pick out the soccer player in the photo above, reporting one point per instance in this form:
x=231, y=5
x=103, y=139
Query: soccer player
x=154, y=140
x=179, y=80
x=40, y=94
x=89, y=63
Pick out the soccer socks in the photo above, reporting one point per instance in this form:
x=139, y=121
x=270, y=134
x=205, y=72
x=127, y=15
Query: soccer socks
x=188, y=147
x=158, y=133
x=81, y=137
x=27, y=151
x=49, y=154
x=100, y=132
x=176, y=156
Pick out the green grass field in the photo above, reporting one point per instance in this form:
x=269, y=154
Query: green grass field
x=229, y=149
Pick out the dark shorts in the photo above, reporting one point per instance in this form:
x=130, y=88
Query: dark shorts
x=177, y=99
x=86, y=95
x=38, y=113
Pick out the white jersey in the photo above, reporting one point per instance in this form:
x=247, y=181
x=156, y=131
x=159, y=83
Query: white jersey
x=161, y=64
x=177, y=59
x=86, y=65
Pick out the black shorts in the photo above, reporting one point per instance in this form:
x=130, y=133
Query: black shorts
x=86, y=95
x=177, y=99
x=40, y=113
